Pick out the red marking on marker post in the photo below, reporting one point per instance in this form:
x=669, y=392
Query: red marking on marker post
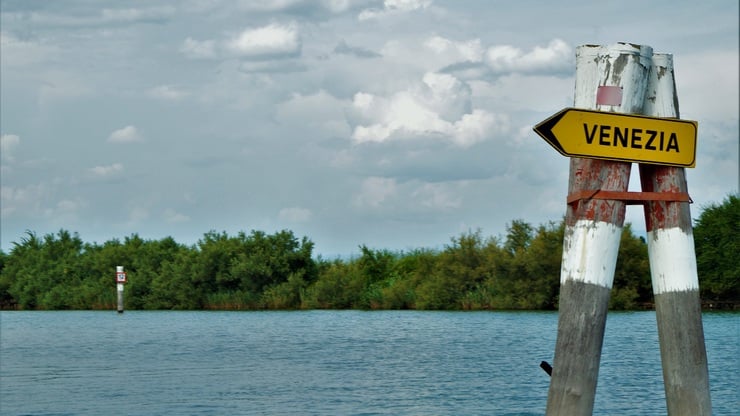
x=606, y=95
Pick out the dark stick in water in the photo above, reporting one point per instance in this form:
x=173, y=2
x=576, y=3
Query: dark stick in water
x=547, y=367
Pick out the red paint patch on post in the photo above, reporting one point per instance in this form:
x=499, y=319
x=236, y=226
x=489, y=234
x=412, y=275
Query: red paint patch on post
x=665, y=214
x=590, y=174
x=608, y=95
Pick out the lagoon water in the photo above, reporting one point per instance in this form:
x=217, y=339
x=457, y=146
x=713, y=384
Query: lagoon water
x=329, y=363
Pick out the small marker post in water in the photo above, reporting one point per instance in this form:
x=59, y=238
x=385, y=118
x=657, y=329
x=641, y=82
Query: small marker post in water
x=120, y=281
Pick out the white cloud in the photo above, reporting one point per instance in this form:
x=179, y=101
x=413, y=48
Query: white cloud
x=556, y=57
x=342, y=159
x=63, y=85
x=66, y=207
x=127, y=134
x=107, y=170
x=273, y=41
x=295, y=214
x=391, y=7
x=374, y=191
x=167, y=92
x=199, y=49
x=343, y=48
x=406, y=5
x=337, y=6
x=271, y=66
x=703, y=71
x=21, y=53
x=471, y=50
x=320, y=112
x=8, y=143
x=137, y=214
x=477, y=126
x=520, y=92
x=132, y=15
x=333, y=6
x=99, y=17
x=17, y=199
x=471, y=59
x=172, y=216
x=439, y=106
x=37, y=201
x=267, y=5
x=437, y=196
x=269, y=41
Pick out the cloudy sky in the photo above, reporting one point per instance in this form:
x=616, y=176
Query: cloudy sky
x=397, y=124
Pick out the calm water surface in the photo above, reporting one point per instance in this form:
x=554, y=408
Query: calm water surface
x=329, y=363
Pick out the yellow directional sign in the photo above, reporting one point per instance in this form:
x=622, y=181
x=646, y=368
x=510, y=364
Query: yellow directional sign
x=613, y=136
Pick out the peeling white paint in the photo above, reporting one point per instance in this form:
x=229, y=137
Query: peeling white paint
x=590, y=252
x=622, y=65
x=672, y=260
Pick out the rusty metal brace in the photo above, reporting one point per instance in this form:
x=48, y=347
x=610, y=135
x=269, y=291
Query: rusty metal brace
x=629, y=198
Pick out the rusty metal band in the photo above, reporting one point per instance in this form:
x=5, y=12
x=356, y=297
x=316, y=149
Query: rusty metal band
x=629, y=198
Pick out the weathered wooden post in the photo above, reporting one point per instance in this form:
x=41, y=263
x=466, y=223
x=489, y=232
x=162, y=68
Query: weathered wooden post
x=611, y=78
x=120, y=281
x=673, y=266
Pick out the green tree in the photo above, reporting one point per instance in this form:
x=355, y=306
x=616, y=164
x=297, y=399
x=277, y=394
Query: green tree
x=717, y=241
x=459, y=269
x=510, y=285
x=377, y=274
x=542, y=265
x=632, y=285
x=518, y=236
x=398, y=290
x=163, y=278
x=267, y=260
x=243, y=267
x=43, y=273
x=339, y=286
x=6, y=299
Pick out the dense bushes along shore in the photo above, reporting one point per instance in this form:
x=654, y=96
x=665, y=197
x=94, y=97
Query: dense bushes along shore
x=277, y=271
